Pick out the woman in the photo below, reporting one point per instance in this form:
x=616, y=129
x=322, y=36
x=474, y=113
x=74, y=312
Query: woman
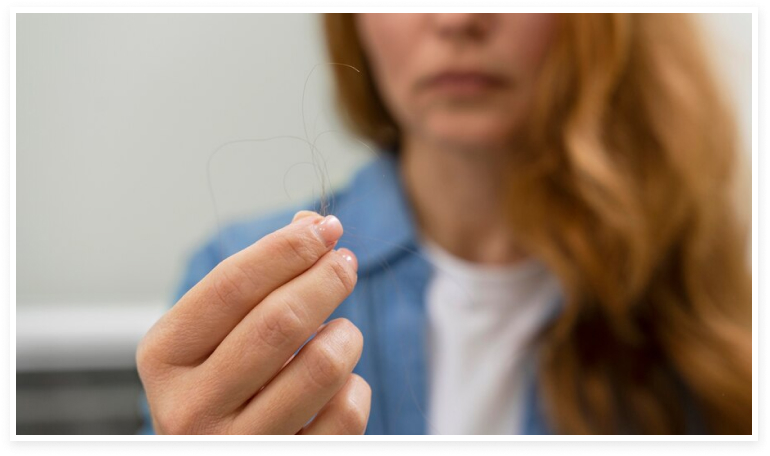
x=567, y=177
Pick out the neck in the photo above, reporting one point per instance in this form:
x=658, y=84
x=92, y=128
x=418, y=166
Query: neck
x=459, y=200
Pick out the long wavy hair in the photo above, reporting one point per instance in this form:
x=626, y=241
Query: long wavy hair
x=626, y=190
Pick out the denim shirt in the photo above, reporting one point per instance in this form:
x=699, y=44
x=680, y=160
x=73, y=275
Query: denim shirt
x=388, y=302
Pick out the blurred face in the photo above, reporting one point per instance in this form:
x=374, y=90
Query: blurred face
x=457, y=80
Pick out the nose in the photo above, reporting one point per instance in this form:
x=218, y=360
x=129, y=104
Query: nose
x=462, y=26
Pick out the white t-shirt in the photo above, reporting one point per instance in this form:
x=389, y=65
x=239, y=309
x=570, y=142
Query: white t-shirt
x=480, y=319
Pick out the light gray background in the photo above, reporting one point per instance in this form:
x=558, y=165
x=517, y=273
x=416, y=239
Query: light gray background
x=117, y=116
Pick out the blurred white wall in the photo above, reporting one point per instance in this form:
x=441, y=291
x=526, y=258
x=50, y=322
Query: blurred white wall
x=117, y=116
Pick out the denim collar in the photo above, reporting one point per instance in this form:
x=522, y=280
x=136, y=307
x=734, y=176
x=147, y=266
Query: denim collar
x=376, y=214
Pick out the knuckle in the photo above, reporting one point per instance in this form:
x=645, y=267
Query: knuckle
x=181, y=404
x=354, y=340
x=151, y=357
x=298, y=247
x=281, y=327
x=169, y=424
x=364, y=385
x=341, y=273
x=185, y=418
x=227, y=282
x=145, y=358
x=180, y=422
x=352, y=418
x=354, y=413
x=172, y=420
x=326, y=366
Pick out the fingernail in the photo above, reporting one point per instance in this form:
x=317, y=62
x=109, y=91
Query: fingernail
x=302, y=214
x=349, y=256
x=329, y=229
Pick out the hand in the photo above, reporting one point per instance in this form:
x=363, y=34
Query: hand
x=221, y=360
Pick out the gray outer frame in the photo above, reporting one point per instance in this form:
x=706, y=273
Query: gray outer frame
x=150, y=446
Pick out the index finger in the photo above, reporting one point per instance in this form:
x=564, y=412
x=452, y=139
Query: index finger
x=195, y=326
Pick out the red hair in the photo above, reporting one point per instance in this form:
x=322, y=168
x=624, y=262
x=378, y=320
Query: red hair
x=627, y=194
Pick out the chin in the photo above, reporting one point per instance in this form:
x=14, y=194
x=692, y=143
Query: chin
x=472, y=133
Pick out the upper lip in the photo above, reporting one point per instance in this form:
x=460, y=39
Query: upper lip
x=459, y=74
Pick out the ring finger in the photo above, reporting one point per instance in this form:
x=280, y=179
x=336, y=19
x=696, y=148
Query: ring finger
x=306, y=384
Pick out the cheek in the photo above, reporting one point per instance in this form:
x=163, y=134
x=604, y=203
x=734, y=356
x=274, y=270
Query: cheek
x=529, y=37
x=388, y=42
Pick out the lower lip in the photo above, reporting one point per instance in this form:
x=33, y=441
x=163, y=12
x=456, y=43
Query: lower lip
x=465, y=86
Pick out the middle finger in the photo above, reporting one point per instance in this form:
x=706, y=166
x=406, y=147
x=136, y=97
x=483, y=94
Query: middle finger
x=307, y=383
